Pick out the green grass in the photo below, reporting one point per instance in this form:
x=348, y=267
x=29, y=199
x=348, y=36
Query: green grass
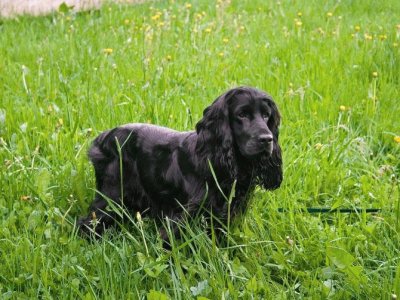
x=59, y=88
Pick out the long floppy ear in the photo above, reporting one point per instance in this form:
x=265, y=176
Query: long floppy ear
x=269, y=168
x=215, y=141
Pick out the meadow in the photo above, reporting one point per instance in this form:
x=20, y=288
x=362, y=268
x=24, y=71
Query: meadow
x=332, y=67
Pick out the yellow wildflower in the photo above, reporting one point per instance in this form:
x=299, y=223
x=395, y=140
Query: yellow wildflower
x=126, y=22
x=299, y=14
x=368, y=37
x=208, y=30
x=188, y=6
x=342, y=108
x=382, y=37
x=156, y=16
x=221, y=54
x=357, y=28
x=108, y=50
x=329, y=14
x=225, y=40
x=397, y=139
x=375, y=74
x=318, y=146
x=298, y=23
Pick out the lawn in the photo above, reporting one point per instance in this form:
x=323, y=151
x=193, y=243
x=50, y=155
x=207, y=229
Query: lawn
x=333, y=69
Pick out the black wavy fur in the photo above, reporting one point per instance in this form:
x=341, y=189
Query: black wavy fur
x=166, y=173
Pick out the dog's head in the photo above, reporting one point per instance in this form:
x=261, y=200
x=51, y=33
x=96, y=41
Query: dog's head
x=243, y=122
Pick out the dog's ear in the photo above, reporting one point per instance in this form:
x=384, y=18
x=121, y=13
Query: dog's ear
x=269, y=168
x=215, y=140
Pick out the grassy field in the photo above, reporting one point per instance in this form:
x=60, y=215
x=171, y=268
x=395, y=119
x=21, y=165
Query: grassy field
x=334, y=70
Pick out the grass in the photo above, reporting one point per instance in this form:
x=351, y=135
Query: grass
x=333, y=68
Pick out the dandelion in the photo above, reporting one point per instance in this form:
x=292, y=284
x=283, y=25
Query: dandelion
x=342, y=108
x=374, y=74
x=168, y=57
x=318, y=146
x=208, y=30
x=329, y=14
x=188, y=6
x=299, y=14
x=225, y=40
x=198, y=16
x=357, y=28
x=397, y=139
x=368, y=37
x=126, y=22
x=382, y=37
x=298, y=23
x=156, y=16
x=221, y=54
x=108, y=51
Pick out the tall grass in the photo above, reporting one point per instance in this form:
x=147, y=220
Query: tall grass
x=333, y=68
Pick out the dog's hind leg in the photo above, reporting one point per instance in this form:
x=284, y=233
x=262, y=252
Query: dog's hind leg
x=107, y=205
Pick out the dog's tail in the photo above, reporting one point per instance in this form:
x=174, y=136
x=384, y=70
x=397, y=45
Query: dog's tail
x=108, y=145
x=100, y=151
x=106, y=149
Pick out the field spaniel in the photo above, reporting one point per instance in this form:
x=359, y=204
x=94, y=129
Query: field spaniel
x=164, y=173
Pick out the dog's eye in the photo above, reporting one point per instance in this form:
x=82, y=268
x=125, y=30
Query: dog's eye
x=243, y=115
x=265, y=116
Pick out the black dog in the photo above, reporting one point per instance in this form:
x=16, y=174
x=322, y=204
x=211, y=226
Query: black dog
x=166, y=173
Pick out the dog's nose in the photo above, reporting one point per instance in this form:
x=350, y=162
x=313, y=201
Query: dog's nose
x=265, y=139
